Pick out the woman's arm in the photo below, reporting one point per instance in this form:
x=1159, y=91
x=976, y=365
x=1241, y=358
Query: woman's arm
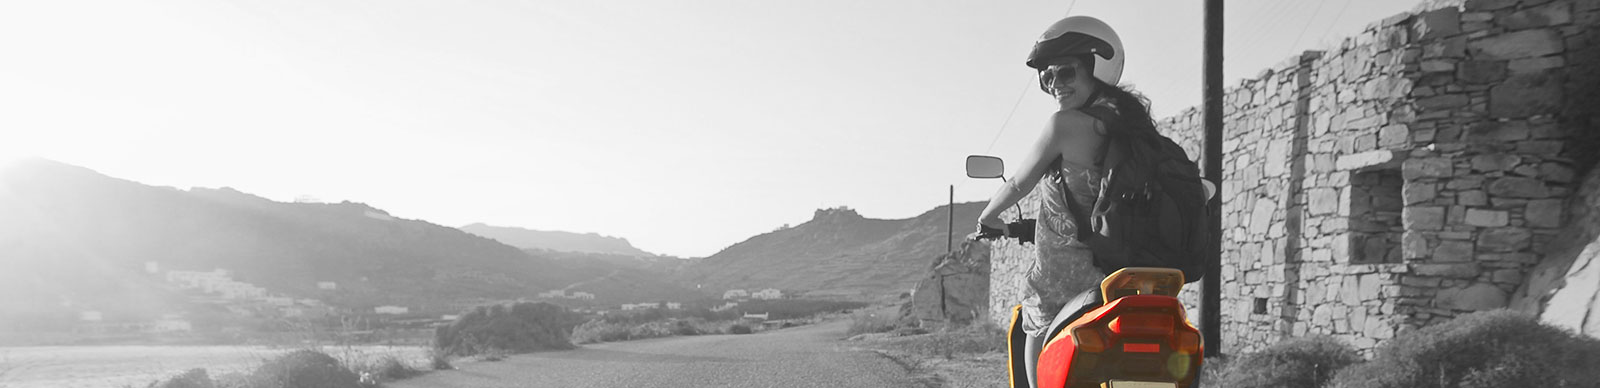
x=1064, y=126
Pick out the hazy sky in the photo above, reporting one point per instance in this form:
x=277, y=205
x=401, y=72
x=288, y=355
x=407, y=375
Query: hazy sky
x=684, y=126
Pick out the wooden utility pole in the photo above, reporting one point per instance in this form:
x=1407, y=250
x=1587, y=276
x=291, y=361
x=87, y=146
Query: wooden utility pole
x=1211, y=285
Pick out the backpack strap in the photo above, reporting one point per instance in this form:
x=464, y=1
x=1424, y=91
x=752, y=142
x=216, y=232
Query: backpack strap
x=1107, y=117
x=1079, y=216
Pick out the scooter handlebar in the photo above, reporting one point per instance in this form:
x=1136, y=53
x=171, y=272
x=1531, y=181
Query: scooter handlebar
x=1022, y=230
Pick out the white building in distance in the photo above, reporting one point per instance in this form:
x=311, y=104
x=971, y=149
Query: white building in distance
x=328, y=286
x=393, y=310
x=170, y=324
x=769, y=294
x=641, y=306
x=552, y=294
x=582, y=295
x=735, y=294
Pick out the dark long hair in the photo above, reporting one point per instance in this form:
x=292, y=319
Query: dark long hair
x=1133, y=108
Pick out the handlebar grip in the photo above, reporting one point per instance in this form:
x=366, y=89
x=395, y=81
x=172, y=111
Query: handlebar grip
x=987, y=233
x=1022, y=230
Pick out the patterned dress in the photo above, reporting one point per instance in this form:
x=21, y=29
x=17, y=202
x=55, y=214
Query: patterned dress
x=1065, y=266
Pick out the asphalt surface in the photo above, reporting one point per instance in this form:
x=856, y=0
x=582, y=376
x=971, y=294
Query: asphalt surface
x=809, y=356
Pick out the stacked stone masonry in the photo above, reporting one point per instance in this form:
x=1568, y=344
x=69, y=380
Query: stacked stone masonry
x=1413, y=173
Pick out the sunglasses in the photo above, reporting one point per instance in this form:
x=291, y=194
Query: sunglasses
x=1065, y=72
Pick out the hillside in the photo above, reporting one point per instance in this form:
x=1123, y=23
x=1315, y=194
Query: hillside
x=556, y=240
x=838, y=254
x=83, y=239
x=619, y=279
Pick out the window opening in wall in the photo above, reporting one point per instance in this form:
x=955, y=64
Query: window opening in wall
x=1261, y=306
x=1375, y=207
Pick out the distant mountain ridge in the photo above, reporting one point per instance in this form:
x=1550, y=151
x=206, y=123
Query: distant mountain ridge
x=556, y=240
x=84, y=239
x=838, y=254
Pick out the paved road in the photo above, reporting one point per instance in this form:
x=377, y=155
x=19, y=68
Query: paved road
x=810, y=356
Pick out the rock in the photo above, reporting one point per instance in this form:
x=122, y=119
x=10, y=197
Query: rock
x=1413, y=245
x=1323, y=200
x=1418, y=281
x=1370, y=286
x=1425, y=167
x=1438, y=66
x=1521, y=257
x=1488, y=5
x=1261, y=216
x=1472, y=198
x=1415, y=193
x=1322, y=316
x=1576, y=305
x=1366, y=159
x=1453, y=251
x=1497, y=132
x=1437, y=23
x=1539, y=147
x=1459, y=271
x=1487, y=218
x=1543, y=213
x=1442, y=102
x=1464, y=183
x=1423, y=218
x=1518, y=188
x=1535, y=65
x=1507, y=276
x=1556, y=172
x=1454, y=48
x=1525, y=95
x=1549, y=15
x=1504, y=239
x=1395, y=134
x=1495, y=162
x=1476, y=297
x=1519, y=44
x=1481, y=72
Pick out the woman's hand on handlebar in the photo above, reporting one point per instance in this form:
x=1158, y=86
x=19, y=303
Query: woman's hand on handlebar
x=990, y=227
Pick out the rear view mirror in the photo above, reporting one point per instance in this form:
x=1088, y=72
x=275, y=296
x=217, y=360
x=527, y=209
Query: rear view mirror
x=985, y=167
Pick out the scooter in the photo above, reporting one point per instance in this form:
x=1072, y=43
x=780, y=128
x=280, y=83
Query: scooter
x=1139, y=336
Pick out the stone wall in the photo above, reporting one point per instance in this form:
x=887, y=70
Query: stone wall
x=1413, y=173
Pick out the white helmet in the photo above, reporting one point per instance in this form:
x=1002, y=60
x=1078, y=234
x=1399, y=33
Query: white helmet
x=1081, y=35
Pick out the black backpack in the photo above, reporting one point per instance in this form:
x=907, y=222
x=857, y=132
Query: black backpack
x=1151, y=210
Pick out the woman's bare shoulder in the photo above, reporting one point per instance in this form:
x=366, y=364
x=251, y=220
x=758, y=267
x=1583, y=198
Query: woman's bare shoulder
x=1070, y=121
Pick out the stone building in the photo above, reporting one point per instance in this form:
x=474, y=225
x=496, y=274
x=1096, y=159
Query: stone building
x=1418, y=171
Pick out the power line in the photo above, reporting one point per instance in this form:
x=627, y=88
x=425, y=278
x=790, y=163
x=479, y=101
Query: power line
x=1307, y=26
x=1335, y=21
x=1014, y=106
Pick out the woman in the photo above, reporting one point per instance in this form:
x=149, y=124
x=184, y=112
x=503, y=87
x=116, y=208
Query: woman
x=1079, y=60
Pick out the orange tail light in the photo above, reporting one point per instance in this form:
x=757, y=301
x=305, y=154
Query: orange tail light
x=1088, y=339
x=1142, y=325
x=1187, y=342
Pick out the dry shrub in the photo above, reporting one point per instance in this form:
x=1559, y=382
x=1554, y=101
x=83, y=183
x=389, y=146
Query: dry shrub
x=194, y=378
x=303, y=369
x=1305, y=362
x=1497, y=348
x=863, y=322
x=514, y=328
